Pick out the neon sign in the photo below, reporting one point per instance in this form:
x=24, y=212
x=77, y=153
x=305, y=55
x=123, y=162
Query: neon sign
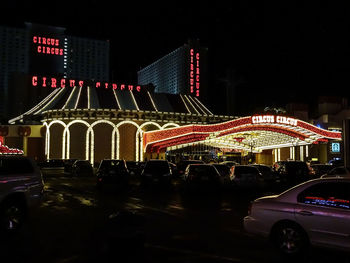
x=46, y=45
x=53, y=82
x=262, y=119
x=335, y=147
x=194, y=72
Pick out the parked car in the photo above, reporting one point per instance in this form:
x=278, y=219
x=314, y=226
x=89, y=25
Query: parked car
x=82, y=168
x=68, y=164
x=246, y=176
x=21, y=189
x=316, y=212
x=321, y=169
x=156, y=172
x=230, y=163
x=340, y=171
x=52, y=167
x=201, y=176
x=268, y=174
x=135, y=168
x=112, y=171
x=181, y=166
x=293, y=172
x=224, y=172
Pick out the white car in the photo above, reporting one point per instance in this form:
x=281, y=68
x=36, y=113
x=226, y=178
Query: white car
x=340, y=171
x=316, y=212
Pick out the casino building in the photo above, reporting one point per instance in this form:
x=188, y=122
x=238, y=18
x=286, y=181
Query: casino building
x=35, y=49
x=182, y=71
x=58, y=108
x=94, y=120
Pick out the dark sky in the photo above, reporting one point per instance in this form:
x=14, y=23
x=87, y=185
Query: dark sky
x=275, y=52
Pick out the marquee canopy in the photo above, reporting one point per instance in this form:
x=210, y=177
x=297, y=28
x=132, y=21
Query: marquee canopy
x=252, y=133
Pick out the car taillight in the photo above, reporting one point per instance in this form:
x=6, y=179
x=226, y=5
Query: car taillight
x=311, y=171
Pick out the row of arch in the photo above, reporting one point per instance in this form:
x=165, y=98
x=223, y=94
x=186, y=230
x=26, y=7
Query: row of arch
x=90, y=137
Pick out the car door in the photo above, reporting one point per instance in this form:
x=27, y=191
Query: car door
x=323, y=210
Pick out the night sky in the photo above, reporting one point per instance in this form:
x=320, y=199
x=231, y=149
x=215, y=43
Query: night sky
x=271, y=53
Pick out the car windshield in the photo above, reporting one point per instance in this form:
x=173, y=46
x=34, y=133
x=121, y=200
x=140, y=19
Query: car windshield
x=106, y=164
x=202, y=170
x=222, y=169
x=157, y=167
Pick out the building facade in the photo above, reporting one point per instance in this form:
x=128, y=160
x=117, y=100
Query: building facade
x=183, y=71
x=42, y=50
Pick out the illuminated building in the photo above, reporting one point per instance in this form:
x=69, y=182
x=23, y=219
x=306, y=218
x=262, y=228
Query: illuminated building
x=44, y=50
x=183, y=71
x=94, y=120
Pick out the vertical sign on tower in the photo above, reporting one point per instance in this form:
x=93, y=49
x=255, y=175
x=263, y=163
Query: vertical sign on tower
x=194, y=72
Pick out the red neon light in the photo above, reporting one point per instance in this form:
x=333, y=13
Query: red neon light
x=46, y=45
x=34, y=81
x=231, y=127
x=197, y=75
x=53, y=83
x=191, y=70
x=62, y=83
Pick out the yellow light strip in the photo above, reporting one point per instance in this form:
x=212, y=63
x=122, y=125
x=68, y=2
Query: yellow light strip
x=78, y=97
x=199, y=107
x=204, y=106
x=88, y=97
x=191, y=104
x=133, y=98
x=185, y=104
x=116, y=98
x=154, y=105
x=69, y=98
x=56, y=95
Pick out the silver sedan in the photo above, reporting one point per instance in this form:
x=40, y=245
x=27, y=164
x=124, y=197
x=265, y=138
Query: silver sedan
x=316, y=213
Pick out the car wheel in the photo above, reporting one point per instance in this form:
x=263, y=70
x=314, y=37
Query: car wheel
x=290, y=239
x=12, y=215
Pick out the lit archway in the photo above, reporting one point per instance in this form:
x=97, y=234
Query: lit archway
x=48, y=137
x=91, y=133
x=118, y=136
x=66, y=139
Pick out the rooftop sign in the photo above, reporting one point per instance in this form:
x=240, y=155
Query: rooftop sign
x=264, y=119
x=53, y=82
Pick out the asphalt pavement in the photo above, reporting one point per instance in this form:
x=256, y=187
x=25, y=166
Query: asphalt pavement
x=79, y=223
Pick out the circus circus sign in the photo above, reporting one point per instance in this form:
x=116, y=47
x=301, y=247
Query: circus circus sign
x=264, y=119
x=54, y=82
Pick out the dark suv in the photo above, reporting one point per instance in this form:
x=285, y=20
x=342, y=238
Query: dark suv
x=21, y=188
x=112, y=172
x=156, y=172
x=293, y=172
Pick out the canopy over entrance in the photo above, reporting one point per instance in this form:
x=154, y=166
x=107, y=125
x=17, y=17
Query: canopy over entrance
x=252, y=133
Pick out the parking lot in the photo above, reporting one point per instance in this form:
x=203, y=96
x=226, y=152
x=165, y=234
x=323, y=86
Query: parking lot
x=73, y=225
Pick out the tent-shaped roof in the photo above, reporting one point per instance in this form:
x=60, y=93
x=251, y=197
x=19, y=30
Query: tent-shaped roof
x=129, y=98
